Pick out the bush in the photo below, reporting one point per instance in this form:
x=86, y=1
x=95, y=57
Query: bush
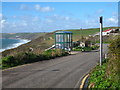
x=94, y=47
x=108, y=75
x=82, y=49
x=98, y=77
x=28, y=57
x=8, y=61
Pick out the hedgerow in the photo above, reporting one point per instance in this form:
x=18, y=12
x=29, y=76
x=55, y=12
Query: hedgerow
x=29, y=57
x=107, y=76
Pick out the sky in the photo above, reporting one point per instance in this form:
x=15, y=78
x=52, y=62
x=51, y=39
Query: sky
x=50, y=16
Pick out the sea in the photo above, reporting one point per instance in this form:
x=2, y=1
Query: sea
x=11, y=43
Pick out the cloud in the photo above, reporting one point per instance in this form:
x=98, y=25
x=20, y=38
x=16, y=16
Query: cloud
x=99, y=11
x=111, y=19
x=35, y=24
x=56, y=17
x=30, y=23
x=2, y=24
x=37, y=7
x=43, y=9
x=49, y=21
x=36, y=18
x=22, y=24
x=47, y=9
x=14, y=16
x=92, y=20
x=114, y=13
x=24, y=7
x=3, y=21
x=1, y=15
x=67, y=18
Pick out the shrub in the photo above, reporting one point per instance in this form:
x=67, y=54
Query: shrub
x=26, y=57
x=8, y=61
x=85, y=48
x=98, y=77
x=108, y=75
x=29, y=57
x=94, y=47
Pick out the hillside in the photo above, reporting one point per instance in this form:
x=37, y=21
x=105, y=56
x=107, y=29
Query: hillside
x=29, y=36
x=78, y=33
x=46, y=40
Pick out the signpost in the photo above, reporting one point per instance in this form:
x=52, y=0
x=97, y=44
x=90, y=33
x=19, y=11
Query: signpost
x=101, y=27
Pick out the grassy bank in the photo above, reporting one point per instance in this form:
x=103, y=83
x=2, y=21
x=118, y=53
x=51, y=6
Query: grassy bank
x=78, y=33
x=108, y=75
x=29, y=57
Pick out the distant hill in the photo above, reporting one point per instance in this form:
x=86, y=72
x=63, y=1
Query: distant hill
x=42, y=41
x=29, y=36
x=77, y=33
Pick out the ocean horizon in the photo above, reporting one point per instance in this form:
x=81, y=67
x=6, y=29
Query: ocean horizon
x=11, y=43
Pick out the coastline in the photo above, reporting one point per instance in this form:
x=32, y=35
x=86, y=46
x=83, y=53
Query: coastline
x=15, y=45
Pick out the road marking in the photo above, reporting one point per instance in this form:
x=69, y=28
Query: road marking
x=83, y=81
x=78, y=83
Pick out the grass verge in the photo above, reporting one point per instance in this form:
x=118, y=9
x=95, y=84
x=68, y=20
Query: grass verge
x=108, y=75
x=29, y=57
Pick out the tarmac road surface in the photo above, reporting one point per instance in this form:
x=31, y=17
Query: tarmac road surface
x=63, y=72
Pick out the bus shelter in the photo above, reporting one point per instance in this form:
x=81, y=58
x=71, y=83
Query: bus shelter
x=63, y=40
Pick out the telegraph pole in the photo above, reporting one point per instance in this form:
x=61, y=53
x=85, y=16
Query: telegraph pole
x=101, y=27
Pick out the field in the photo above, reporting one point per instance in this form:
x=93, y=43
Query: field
x=78, y=33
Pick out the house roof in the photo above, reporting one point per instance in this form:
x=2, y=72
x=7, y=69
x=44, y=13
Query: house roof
x=107, y=30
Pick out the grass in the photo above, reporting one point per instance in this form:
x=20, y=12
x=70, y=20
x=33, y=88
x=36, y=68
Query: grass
x=29, y=57
x=77, y=33
x=82, y=49
x=99, y=80
x=104, y=42
x=87, y=49
x=107, y=76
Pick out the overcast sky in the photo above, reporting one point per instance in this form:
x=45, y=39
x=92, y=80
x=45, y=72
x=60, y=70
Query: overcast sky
x=51, y=16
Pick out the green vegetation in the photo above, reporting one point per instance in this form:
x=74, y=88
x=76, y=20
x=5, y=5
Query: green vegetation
x=38, y=45
x=40, y=41
x=78, y=48
x=106, y=39
x=28, y=57
x=104, y=42
x=98, y=78
x=82, y=49
x=108, y=75
x=78, y=33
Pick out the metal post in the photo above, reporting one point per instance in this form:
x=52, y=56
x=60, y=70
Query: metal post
x=101, y=27
x=55, y=40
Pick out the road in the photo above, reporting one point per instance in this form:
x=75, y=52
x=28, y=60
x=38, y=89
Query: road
x=63, y=72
